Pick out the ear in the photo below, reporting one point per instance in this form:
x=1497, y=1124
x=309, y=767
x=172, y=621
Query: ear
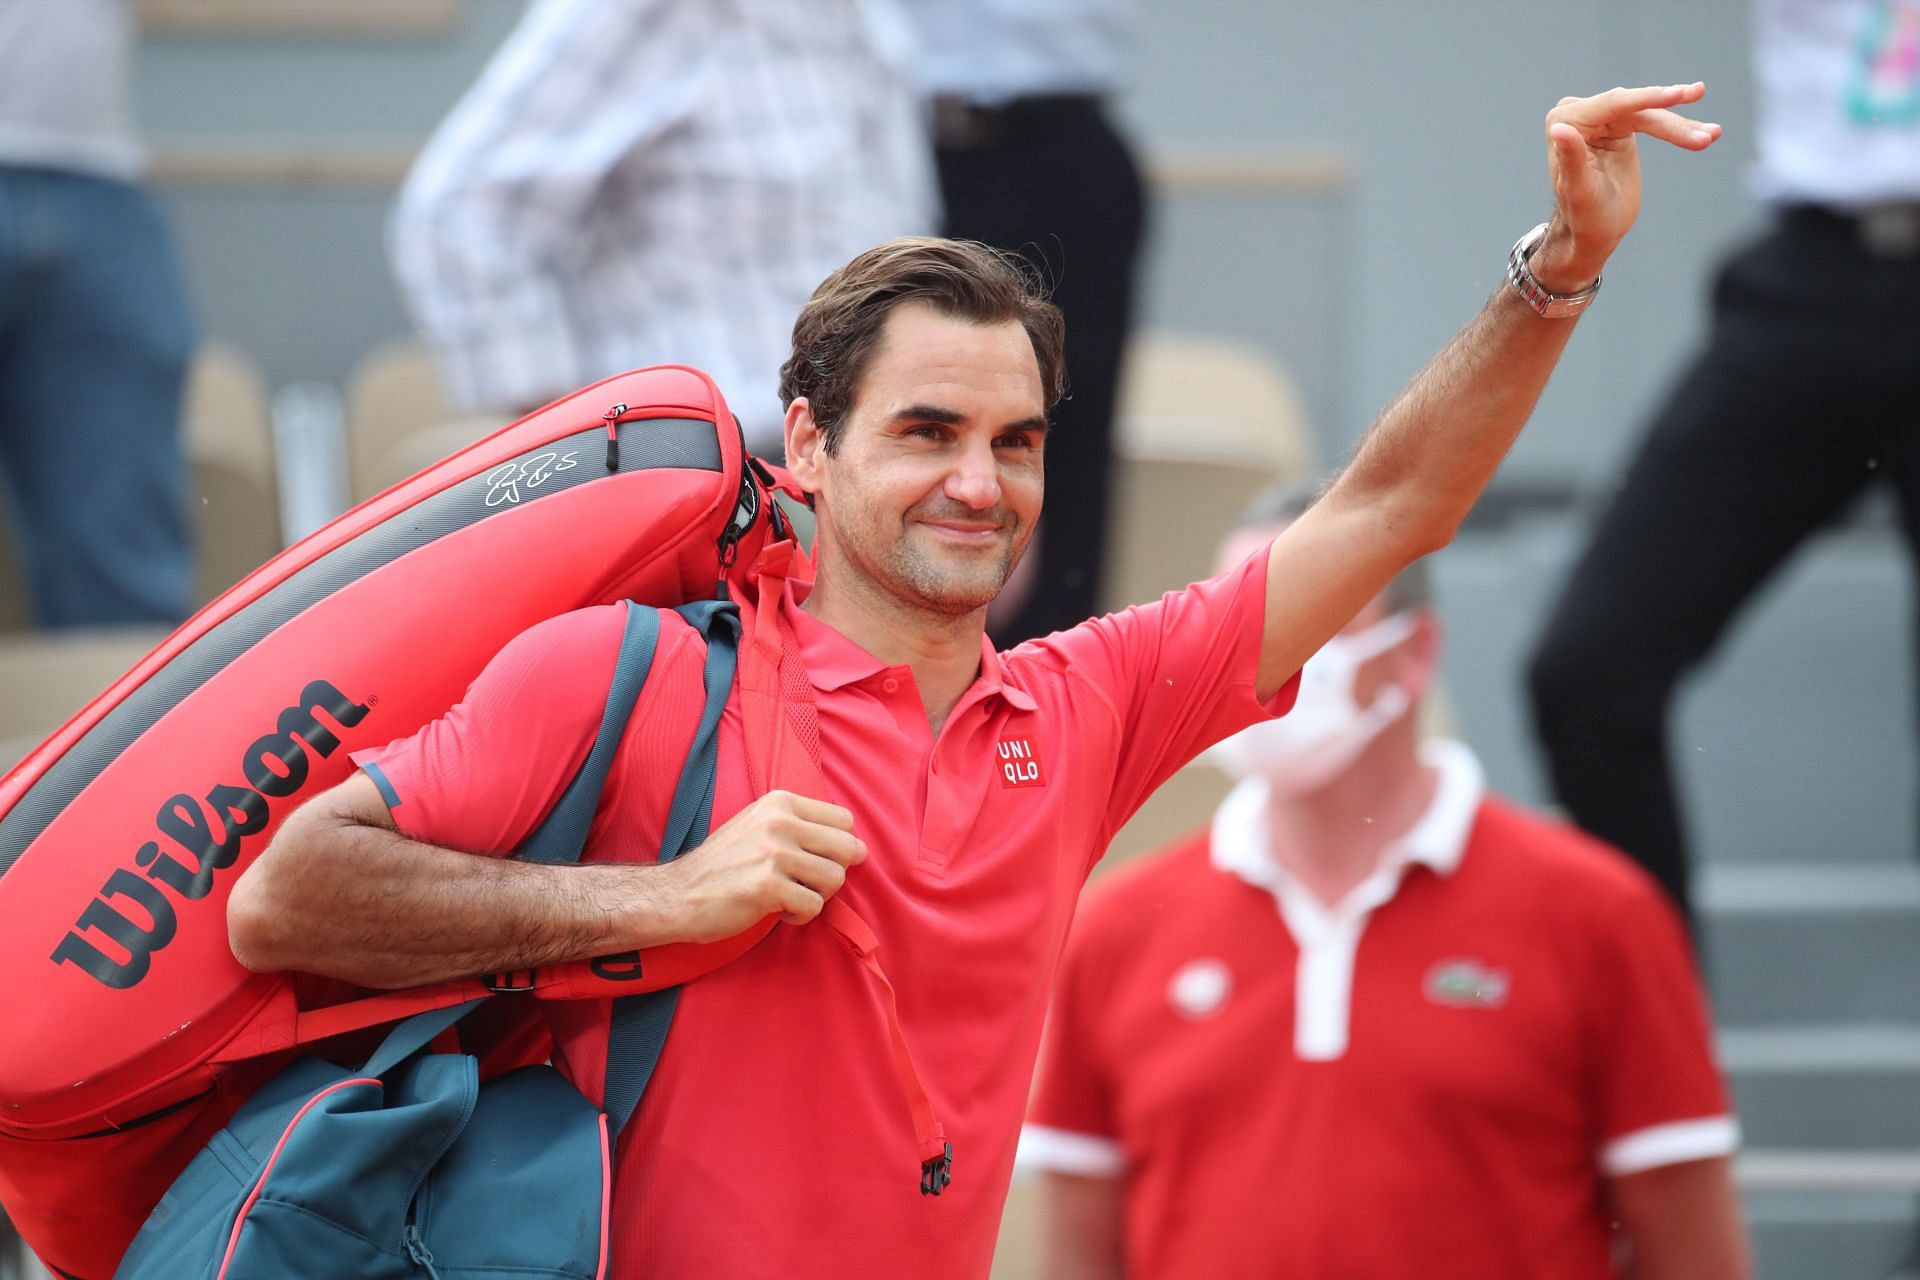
x=806, y=446
x=1423, y=652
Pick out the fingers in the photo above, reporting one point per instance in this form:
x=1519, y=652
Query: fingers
x=1669, y=126
x=841, y=847
x=821, y=875
x=799, y=904
x=816, y=811
x=1602, y=108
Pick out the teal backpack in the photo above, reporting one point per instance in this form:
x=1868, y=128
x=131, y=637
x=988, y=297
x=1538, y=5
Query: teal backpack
x=409, y=1167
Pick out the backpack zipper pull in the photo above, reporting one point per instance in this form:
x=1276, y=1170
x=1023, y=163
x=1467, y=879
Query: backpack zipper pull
x=613, y=436
x=418, y=1251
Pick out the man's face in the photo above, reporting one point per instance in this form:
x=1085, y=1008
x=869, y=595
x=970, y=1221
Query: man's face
x=932, y=493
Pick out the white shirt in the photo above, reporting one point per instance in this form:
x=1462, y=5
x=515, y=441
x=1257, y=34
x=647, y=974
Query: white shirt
x=65, y=66
x=1838, y=88
x=1329, y=937
x=636, y=182
x=991, y=51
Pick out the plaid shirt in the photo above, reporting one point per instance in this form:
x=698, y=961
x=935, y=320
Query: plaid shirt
x=640, y=182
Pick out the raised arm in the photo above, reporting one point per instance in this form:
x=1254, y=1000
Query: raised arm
x=1429, y=455
x=341, y=892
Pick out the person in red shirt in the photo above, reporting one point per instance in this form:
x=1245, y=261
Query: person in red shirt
x=968, y=792
x=1373, y=1017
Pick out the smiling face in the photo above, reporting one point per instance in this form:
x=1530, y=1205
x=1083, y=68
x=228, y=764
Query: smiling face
x=931, y=493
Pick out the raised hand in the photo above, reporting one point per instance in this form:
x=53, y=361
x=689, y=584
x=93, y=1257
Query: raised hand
x=1595, y=166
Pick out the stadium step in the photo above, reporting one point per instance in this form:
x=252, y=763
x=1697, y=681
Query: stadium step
x=1812, y=942
x=1813, y=1235
x=1848, y=1086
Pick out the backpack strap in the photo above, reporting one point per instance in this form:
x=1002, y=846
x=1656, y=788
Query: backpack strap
x=561, y=838
x=638, y=1031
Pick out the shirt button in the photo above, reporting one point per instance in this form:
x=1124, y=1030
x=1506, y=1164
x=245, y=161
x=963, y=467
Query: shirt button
x=890, y=685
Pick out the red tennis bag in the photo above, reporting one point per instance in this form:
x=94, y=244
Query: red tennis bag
x=131, y=1034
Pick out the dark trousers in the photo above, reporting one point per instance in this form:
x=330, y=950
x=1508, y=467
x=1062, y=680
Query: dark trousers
x=1808, y=391
x=95, y=336
x=1055, y=183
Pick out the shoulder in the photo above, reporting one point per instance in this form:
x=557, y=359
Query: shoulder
x=580, y=633
x=592, y=634
x=566, y=663
x=1562, y=869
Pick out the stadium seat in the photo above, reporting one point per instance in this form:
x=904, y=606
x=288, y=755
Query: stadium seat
x=49, y=676
x=393, y=400
x=228, y=435
x=1204, y=424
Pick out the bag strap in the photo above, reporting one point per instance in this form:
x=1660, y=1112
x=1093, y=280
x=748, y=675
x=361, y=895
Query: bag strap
x=561, y=839
x=785, y=719
x=638, y=1030
x=413, y=1035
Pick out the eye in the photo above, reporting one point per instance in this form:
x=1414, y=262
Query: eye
x=1017, y=440
x=926, y=431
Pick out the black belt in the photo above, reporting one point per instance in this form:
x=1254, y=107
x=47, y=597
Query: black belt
x=1887, y=230
x=960, y=124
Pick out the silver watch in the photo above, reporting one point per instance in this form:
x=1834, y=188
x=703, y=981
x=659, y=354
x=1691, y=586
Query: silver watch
x=1554, y=306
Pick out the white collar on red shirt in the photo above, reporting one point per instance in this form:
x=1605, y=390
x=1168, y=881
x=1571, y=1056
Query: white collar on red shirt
x=1437, y=840
x=1329, y=936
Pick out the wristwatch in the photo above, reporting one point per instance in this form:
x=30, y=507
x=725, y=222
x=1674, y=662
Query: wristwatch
x=1554, y=306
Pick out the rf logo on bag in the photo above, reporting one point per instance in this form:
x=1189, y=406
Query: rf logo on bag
x=1020, y=764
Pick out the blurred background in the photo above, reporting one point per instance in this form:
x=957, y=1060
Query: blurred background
x=1333, y=186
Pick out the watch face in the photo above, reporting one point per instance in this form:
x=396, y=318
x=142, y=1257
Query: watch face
x=1531, y=241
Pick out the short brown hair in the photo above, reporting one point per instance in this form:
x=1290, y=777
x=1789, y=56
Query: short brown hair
x=837, y=330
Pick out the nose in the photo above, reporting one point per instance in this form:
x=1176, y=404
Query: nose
x=974, y=479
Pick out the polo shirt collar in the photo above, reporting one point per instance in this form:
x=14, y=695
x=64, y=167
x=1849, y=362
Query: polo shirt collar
x=834, y=662
x=1438, y=840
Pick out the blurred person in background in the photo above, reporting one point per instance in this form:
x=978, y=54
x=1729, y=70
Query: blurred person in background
x=1807, y=391
x=1030, y=161
x=1374, y=1022
x=636, y=182
x=95, y=329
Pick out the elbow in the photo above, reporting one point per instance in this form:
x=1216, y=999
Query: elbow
x=254, y=930
x=1421, y=526
x=1409, y=520
x=262, y=910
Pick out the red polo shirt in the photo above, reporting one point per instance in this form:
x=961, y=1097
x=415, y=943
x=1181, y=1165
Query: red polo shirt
x=1435, y=1078
x=774, y=1139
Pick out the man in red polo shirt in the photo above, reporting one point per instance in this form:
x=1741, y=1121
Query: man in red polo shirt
x=1373, y=1018
x=967, y=792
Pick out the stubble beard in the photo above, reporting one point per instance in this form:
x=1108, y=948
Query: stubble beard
x=949, y=588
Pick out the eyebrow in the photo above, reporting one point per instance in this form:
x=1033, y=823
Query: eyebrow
x=935, y=413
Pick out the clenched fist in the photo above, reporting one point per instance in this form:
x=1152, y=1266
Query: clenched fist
x=783, y=855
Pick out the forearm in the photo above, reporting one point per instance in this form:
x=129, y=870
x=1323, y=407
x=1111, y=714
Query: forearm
x=1435, y=447
x=1682, y=1222
x=361, y=902
x=1082, y=1237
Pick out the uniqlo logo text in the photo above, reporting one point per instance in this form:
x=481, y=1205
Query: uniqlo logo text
x=1019, y=766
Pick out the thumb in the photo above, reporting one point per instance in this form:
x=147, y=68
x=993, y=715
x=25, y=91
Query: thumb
x=1568, y=151
x=1568, y=146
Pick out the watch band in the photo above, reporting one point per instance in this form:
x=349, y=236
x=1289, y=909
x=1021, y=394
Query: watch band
x=1554, y=306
